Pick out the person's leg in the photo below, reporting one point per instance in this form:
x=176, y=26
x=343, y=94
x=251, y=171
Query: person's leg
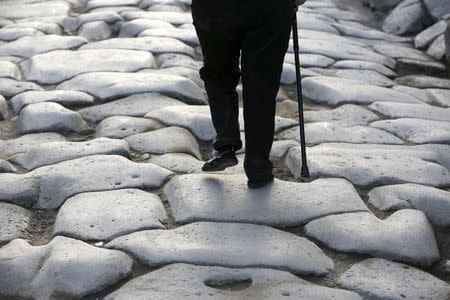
x=263, y=51
x=221, y=73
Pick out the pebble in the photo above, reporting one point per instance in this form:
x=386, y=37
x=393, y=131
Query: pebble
x=196, y=197
x=49, y=116
x=165, y=140
x=63, y=266
x=55, y=152
x=372, y=164
x=377, y=278
x=195, y=282
x=108, y=214
x=435, y=203
x=248, y=245
x=58, y=66
x=14, y=221
x=419, y=131
x=108, y=85
x=406, y=235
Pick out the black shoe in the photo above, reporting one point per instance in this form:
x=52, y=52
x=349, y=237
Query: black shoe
x=222, y=159
x=260, y=182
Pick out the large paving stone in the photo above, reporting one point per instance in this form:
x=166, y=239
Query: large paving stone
x=11, y=34
x=73, y=23
x=57, y=66
x=226, y=198
x=226, y=244
x=372, y=164
x=175, y=18
x=310, y=60
x=435, y=203
x=368, y=76
x=363, y=65
x=165, y=140
x=407, y=17
x=396, y=51
x=10, y=87
x=424, y=82
x=3, y=108
x=198, y=120
x=62, y=267
x=66, y=98
x=406, y=235
x=170, y=60
x=55, y=152
x=10, y=70
x=417, y=130
x=437, y=9
x=323, y=132
x=26, y=142
x=395, y=110
x=345, y=115
x=197, y=282
x=7, y=167
x=156, y=45
x=39, y=9
x=427, y=36
x=49, y=186
x=381, y=279
x=49, y=116
x=335, y=91
x=29, y=46
x=46, y=27
x=109, y=214
x=186, y=35
x=123, y=126
x=107, y=85
x=136, y=26
x=439, y=96
x=14, y=220
x=95, y=31
x=135, y=105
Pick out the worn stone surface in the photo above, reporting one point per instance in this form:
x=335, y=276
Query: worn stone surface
x=376, y=278
x=14, y=221
x=345, y=115
x=123, y=126
x=396, y=110
x=435, y=203
x=194, y=282
x=27, y=141
x=109, y=214
x=248, y=245
x=64, y=266
x=406, y=235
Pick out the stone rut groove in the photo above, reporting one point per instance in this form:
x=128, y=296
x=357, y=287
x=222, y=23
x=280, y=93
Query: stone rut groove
x=104, y=128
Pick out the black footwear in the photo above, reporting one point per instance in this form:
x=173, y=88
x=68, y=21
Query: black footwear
x=260, y=182
x=222, y=159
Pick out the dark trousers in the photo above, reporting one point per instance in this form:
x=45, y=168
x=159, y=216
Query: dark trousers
x=261, y=31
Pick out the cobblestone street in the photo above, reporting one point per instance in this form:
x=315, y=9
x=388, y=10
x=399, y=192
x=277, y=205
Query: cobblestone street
x=105, y=126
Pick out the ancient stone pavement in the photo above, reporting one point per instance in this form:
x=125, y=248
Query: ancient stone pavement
x=104, y=127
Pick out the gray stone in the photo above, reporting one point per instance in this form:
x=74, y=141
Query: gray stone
x=123, y=126
x=437, y=48
x=368, y=76
x=175, y=18
x=360, y=31
x=101, y=3
x=437, y=8
x=372, y=164
x=427, y=36
x=3, y=108
x=55, y=152
x=335, y=91
x=40, y=9
x=66, y=98
x=73, y=23
x=14, y=221
x=247, y=245
x=29, y=46
x=417, y=130
x=10, y=87
x=419, y=94
x=43, y=26
x=397, y=51
x=109, y=214
x=395, y=110
x=60, y=65
x=62, y=267
x=107, y=85
x=310, y=60
x=49, y=116
x=135, y=105
x=323, y=132
x=7, y=167
x=10, y=70
x=439, y=96
x=424, y=82
x=406, y=235
x=136, y=26
x=189, y=73
x=345, y=115
x=201, y=282
x=185, y=35
x=156, y=45
x=95, y=31
x=169, y=60
x=197, y=197
x=364, y=65
x=407, y=17
x=165, y=140
x=11, y=34
x=435, y=203
x=381, y=279
x=26, y=142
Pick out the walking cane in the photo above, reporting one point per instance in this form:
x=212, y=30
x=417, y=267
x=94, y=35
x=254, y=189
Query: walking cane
x=304, y=171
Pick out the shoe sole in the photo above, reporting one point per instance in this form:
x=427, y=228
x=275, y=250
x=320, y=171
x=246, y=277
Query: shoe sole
x=260, y=184
x=221, y=167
